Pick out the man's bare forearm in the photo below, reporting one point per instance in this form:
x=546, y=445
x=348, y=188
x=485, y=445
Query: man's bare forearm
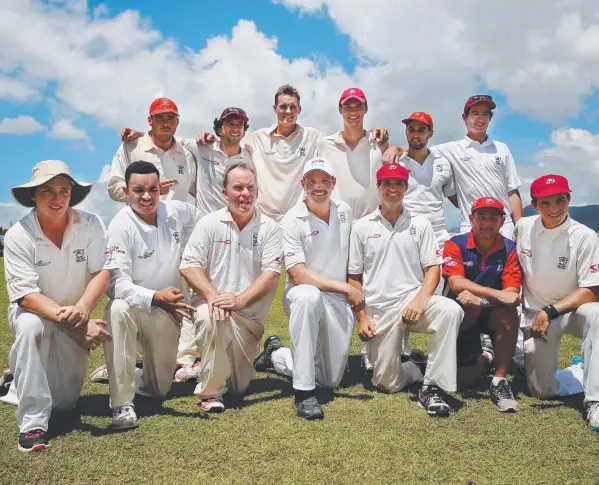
x=260, y=287
x=578, y=297
x=300, y=275
x=457, y=284
x=197, y=280
x=95, y=290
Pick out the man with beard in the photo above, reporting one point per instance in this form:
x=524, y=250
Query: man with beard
x=233, y=264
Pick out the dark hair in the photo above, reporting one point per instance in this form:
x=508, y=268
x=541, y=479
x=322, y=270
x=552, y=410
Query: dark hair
x=287, y=90
x=467, y=112
x=242, y=165
x=140, y=167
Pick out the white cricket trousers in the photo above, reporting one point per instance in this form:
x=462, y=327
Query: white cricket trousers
x=49, y=368
x=158, y=335
x=442, y=318
x=228, y=349
x=541, y=357
x=187, y=351
x=320, y=330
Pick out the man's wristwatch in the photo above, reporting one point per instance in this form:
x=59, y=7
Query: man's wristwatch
x=484, y=302
x=551, y=311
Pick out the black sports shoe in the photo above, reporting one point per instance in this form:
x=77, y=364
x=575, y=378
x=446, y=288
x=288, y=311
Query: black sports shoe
x=33, y=440
x=263, y=362
x=309, y=409
x=429, y=398
x=502, y=396
x=5, y=381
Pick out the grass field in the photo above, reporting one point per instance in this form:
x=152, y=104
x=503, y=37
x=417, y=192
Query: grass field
x=367, y=437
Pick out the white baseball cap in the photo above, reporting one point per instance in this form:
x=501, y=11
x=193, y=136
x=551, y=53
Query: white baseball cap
x=318, y=163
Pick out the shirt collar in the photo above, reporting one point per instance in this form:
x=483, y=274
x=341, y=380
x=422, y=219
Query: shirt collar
x=149, y=145
x=216, y=147
x=272, y=131
x=145, y=227
x=376, y=215
x=73, y=226
x=301, y=210
x=338, y=139
x=556, y=231
x=469, y=142
x=226, y=216
x=498, y=246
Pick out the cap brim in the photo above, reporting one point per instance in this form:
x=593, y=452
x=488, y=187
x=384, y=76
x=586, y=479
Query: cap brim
x=405, y=121
x=549, y=193
x=22, y=193
x=502, y=212
x=160, y=111
x=318, y=170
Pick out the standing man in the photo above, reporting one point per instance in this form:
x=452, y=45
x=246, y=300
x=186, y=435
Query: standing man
x=175, y=164
x=560, y=261
x=233, y=263
x=483, y=275
x=393, y=259
x=53, y=264
x=317, y=298
x=354, y=155
x=145, y=242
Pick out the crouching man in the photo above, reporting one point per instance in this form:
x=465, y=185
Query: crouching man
x=560, y=262
x=145, y=241
x=318, y=298
x=393, y=259
x=233, y=263
x=53, y=264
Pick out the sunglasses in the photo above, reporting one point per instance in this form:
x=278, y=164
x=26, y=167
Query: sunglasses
x=233, y=110
x=478, y=97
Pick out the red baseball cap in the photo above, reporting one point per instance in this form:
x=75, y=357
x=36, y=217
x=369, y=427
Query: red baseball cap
x=480, y=98
x=234, y=112
x=353, y=93
x=549, y=185
x=392, y=171
x=163, y=105
x=419, y=116
x=485, y=202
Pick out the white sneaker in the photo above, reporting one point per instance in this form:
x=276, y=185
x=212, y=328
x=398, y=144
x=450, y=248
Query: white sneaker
x=212, y=405
x=187, y=372
x=124, y=417
x=593, y=415
x=99, y=375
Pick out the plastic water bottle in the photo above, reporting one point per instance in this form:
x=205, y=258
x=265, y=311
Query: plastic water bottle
x=570, y=379
x=577, y=359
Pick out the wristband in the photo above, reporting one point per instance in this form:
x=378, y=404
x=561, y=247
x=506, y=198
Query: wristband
x=550, y=311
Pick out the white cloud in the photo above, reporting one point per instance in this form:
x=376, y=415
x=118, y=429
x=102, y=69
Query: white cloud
x=65, y=130
x=104, y=175
x=11, y=212
x=21, y=125
x=16, y=90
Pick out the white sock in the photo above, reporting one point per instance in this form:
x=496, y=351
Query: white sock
x=496, y=380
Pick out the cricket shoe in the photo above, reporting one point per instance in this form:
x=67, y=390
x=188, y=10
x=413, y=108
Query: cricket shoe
x=263, y=361
x=593, y=415
x=309, y=409
x=124, y=417
x=187, y=372
x=99, y=375
x=429, y=399
x=213, y=405
x=5, y=382
x=502, y=396
x=33, y=440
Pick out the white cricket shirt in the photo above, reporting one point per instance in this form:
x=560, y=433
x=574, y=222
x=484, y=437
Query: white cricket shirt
x=212, y=163
x=322, y=247
x=234, y=259
x=428, y=185
x=279, y=165
x=147, y=256
x=555, y=261
x=480, y=170
x=174, y=163
x=391, y=259
x=355, y=171
x=33, y=264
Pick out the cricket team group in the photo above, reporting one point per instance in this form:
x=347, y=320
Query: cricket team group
x=192, y=261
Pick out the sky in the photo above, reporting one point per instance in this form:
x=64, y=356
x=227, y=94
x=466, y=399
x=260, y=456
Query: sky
x=73, y=72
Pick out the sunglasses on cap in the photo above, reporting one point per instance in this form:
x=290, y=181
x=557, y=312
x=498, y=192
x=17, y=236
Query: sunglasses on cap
x=233, y=110
x=479, y=97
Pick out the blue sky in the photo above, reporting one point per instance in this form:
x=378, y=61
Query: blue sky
x=207, y=57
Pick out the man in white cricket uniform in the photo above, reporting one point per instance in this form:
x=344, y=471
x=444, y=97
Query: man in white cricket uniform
x=560, y=262
x=145, y=242
x=176, y=164
x=355, y=156
x=393, y=259
x=233, y=264
x=317, y=297
x=53, y=259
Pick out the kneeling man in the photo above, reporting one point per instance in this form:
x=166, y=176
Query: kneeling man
x=318, y=298
x=53, y=261
x=233, y=263
x=145, y=241
x=393, y=259
x=560, y=262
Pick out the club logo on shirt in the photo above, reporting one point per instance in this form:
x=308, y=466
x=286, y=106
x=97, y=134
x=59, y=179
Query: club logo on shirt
x=594, y=268
x=562, y=262
x=112, y=250
x=313, y=233
x=224, y=241
x=412, y=230
x=180, y=169
x=79, y=255
x=468, y=263
x=41, y=263
x=374, y=236
x=342, y=217
x=14, y=281
x=288, y=255
x=451, y=264
x=255, y=239
x=499, y=266
x=146, y=254
x=439, y=168
x=498, y=161
x=302, y=151
x=526, y=252
x=209, y=160
x=176, y=237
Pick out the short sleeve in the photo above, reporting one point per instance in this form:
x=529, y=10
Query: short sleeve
x=356, y=252
x=116, y=181
x=196, y=252
x=96, y=248
x=449, y=187
x=272, y=248
x=453, y=264
x=512, y=180
x=587, y=265
x=19, y=267
x=512, y=274
x=293, y=247
x=428, y=246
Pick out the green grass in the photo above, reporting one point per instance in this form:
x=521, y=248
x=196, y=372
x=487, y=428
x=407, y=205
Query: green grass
x=367, y=437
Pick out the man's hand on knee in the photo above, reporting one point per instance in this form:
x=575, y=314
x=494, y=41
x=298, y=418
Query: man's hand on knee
x=170, y=300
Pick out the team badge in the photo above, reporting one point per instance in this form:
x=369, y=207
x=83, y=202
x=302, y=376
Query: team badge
x=549, y=181
x=342, y=217
x=562, y=262
x=302, y=151
x=180, y=169
x=439, y=168
x=79, y=255
x=412, y=230
x=498, y=161
x=255, y=239
x=489, y=201
x=176, y=236
x=147, y=254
